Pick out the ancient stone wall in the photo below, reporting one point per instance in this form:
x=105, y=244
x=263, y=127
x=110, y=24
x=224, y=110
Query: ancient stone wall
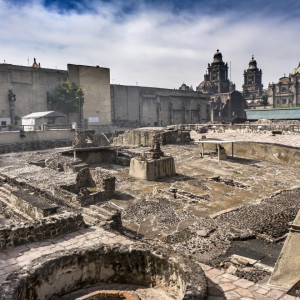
x=36, y=145
x=147, y=136
x=64, y=272
x=46, y=228
x=264, y=151
x=258, y=127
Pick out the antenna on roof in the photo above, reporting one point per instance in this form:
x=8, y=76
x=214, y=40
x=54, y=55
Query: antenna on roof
x=230, y=70
x=28, y=61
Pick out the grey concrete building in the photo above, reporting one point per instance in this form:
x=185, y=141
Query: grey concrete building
x=95, y=83
x=24, y=90
x=135, y=106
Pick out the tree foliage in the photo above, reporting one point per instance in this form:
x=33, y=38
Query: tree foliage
x=67, y=97
x=264, y=100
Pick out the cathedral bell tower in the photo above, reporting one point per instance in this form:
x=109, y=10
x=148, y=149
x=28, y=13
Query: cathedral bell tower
x=252, y=87
x=218, y=74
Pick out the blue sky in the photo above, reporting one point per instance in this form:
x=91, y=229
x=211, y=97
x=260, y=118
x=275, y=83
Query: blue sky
x=159, y=43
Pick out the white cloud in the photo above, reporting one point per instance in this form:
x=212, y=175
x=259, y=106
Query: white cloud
x=151, y=47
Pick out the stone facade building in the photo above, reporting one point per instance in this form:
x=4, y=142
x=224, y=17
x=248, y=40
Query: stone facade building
x=286, y=93
x=225, y=103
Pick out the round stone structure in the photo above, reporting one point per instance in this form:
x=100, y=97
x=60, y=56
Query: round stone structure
x=58, y=274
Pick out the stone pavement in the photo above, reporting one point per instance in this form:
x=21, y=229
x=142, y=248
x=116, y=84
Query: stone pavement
x=221, y=285
x=288, y=140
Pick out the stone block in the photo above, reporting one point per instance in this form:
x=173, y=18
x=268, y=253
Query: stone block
x=152, y=169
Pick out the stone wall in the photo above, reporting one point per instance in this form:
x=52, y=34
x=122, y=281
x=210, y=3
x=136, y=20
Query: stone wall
x=95, y=83
x=147, y=136
x=147, y=106
x=35, y=140
x=45, y=228
x=264, y=151
x=152, y=169
x=33, y=206
x=257, y=128
x=179, y=277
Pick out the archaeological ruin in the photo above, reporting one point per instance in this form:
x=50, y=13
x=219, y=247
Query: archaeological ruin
x=144, y=214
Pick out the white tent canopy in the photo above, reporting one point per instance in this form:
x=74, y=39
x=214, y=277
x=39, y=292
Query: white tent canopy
x=37, y=120
x=44, y=114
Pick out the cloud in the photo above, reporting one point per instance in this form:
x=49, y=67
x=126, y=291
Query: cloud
x=153, y=43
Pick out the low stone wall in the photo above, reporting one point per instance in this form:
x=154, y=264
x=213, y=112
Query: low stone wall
x=33, y=206
x=46, y=228
x=259, y=128
x=264, y=151
x=110, y=295
x=33, y=145
x=63, y=272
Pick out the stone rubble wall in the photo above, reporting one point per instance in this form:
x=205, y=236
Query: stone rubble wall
x=264, y=151
x=20, y=200
x=35, y=145
x=45, y=228
x=258, y=127
x=49, y=195
x=147, y=137
x=89, y=138
x=179, y=277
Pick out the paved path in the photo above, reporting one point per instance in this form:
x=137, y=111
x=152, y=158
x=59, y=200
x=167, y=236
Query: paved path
x=221, y=285
x=288, y=140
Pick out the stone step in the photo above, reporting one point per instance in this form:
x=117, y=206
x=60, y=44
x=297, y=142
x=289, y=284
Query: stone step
x=17, y=212
x=102, y=211
x=8, y=187
x=94, y=214
x=5, y=191
x=4, y=195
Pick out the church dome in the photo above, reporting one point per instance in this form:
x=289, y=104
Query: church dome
x=218, y=56
x=252, y=64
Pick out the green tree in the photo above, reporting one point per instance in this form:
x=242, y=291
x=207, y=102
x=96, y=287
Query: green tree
x=264, y=100
x=67, y=97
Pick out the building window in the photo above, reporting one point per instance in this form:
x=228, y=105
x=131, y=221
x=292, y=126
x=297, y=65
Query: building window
x=3, y=124
x=283, y=101
x=283, y=90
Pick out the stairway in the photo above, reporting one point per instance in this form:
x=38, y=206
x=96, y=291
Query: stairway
x=5, y=194
x=109, y=218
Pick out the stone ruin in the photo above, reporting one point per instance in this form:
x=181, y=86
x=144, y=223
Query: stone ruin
x=152, y=165
x=91, y=186
x=33, y=214
x=147, y=137
x=89, y=138
x=165, y=216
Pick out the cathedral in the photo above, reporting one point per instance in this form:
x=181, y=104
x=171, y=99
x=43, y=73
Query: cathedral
x=286, y=93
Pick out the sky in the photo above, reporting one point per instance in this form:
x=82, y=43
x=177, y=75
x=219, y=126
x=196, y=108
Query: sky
x=160, y=43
